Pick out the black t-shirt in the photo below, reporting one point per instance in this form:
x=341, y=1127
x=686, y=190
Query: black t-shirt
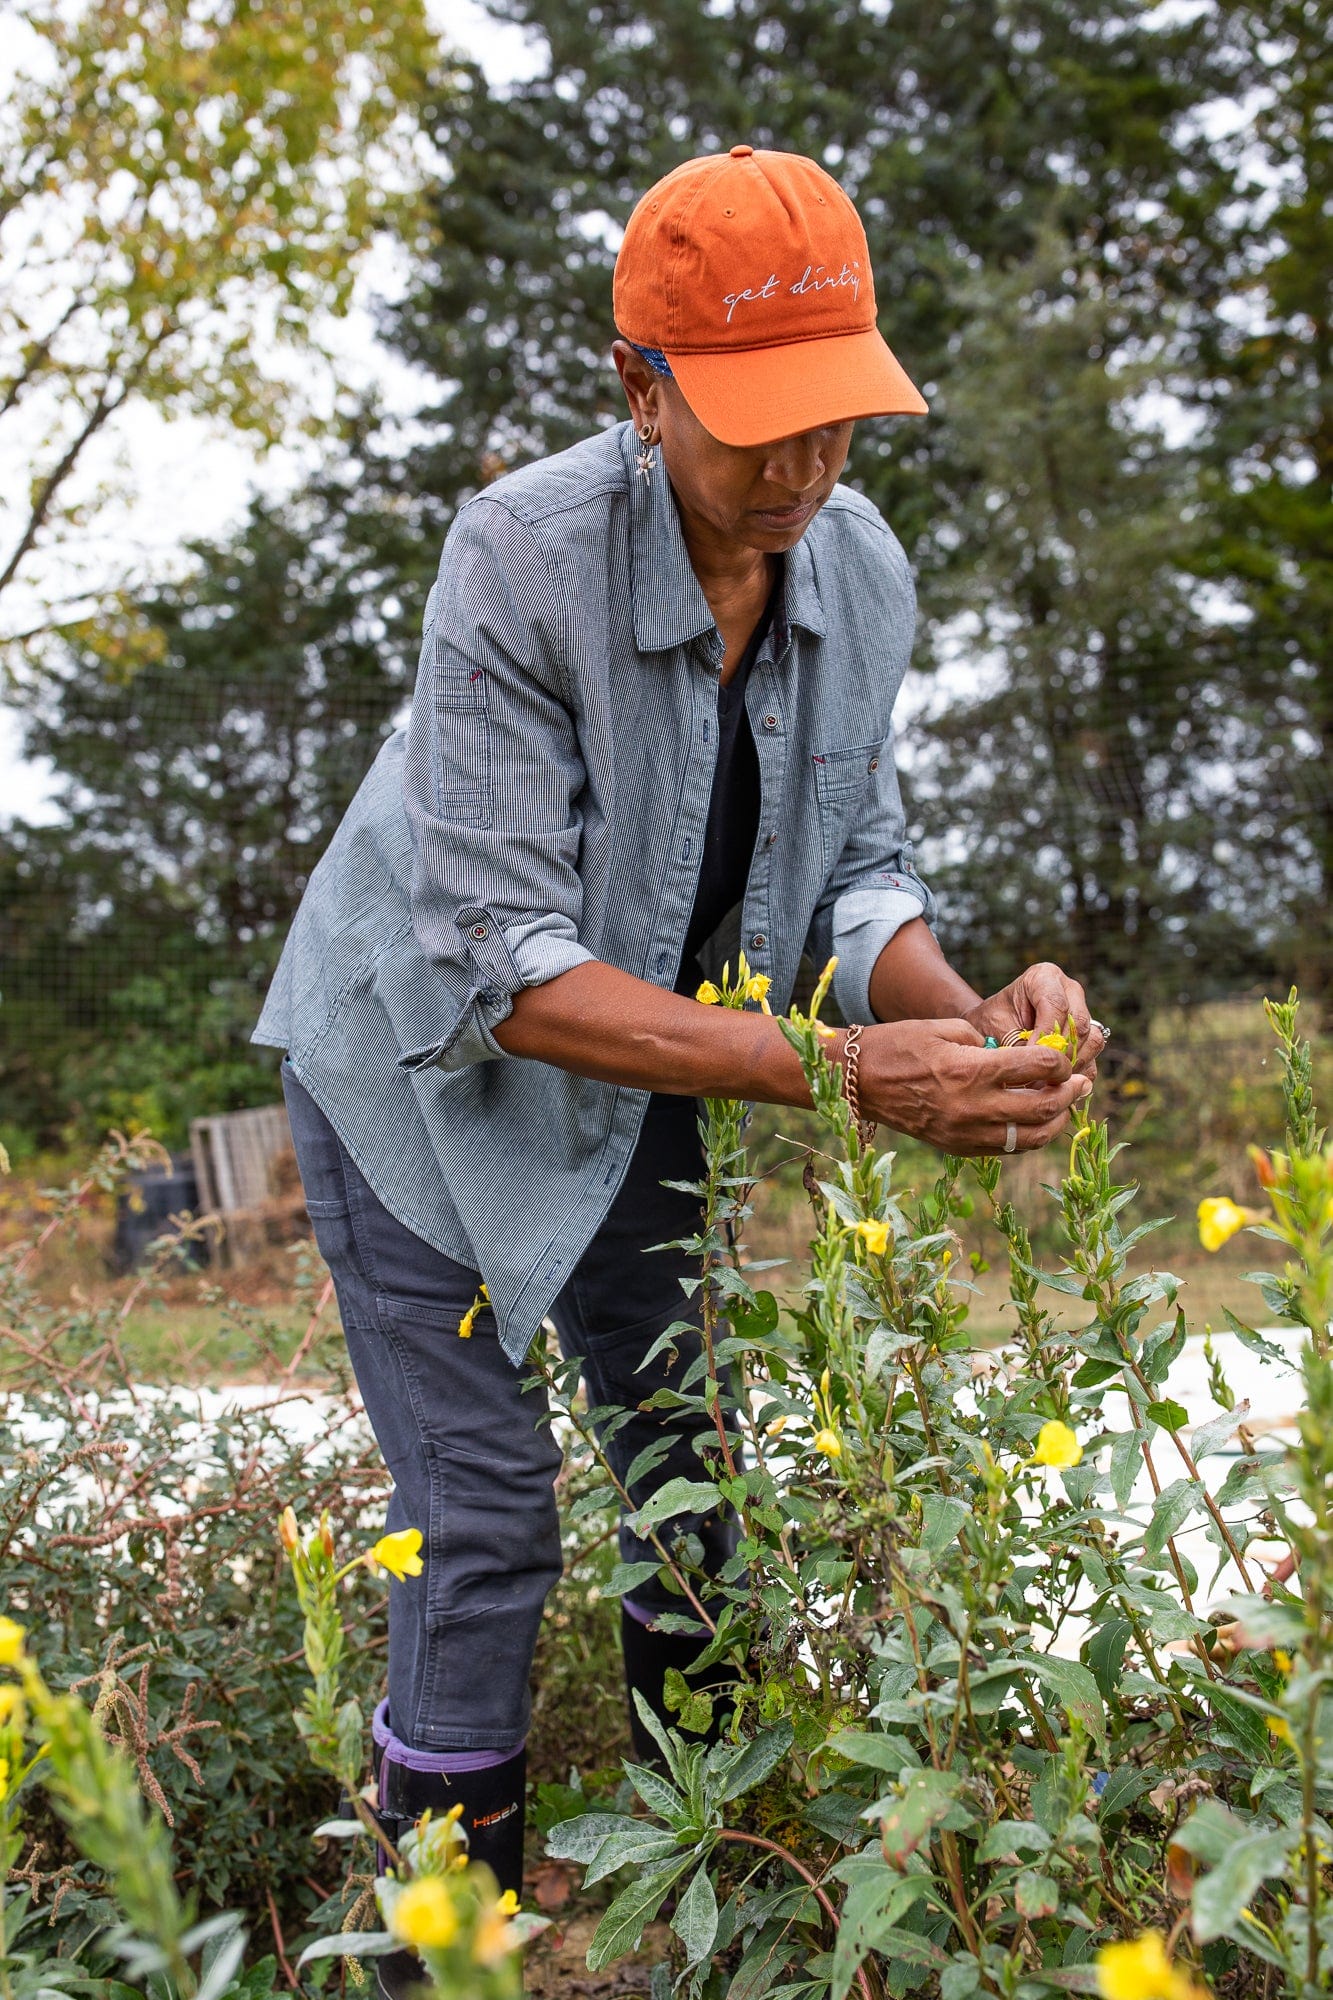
x=669, y=1147
x=733, y=809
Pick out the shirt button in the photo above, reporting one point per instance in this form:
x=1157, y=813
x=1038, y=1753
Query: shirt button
x=873, y=765
x=770, y=722
x=771, y=838
x=480, y=931
x=758, y=941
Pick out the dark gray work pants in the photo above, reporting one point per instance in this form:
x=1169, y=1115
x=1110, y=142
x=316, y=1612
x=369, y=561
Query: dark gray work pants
x=472, y=1466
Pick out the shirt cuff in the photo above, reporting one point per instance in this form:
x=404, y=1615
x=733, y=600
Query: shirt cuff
x=506, y=959
x=864, y=920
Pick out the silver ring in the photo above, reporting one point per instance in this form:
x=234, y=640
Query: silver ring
x=1103, y=1031
x=1011, y=1137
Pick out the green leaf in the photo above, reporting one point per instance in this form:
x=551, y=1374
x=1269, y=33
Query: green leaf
x=1167, y=1415
x=741, y=1770
x=353, y=1944
x=1074, y=1687
x=1125, y=1784
x=622, y=1926
x=1173, y=1505
x=878, y=1752
x=1256, y=1343
x=906, y=1819
x=678, y=1496
x=628, y=1576
x=941, y=1519
x=648, y=1845
x=1009, y=1838
x=1036, y=1895
x=1106, y=1654
x=695, y=1921
x=868, y=1916
x=1206, y=1438
x=1126, y=1461
x=579, y=1839
x=1229, y=1888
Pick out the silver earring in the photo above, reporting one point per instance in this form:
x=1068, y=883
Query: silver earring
x=646, y=459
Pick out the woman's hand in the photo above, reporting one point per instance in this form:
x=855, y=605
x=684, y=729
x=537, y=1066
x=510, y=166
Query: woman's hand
x=1041, y=1000
x=937, y=1081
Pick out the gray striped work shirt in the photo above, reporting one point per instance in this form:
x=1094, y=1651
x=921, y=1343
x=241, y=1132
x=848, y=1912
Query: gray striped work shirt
x=546, y=804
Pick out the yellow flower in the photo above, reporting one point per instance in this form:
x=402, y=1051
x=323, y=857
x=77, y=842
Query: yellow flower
x=875, y=1236
x=11, y=1643
x=758, y=986
x=469, y=1319
x=1057, y=1039
x=1280, y=1728
x=1219, y=1219
x=494, y=1936
x=1142, y=1971
x=399, y=1553
x=829, y=1443
x=822, y=1028
x=707, y=993
x=4, y=1779
x=11, y=1703
x=424, y=1915
x=1056, y=1446
x=776, y=1428
x=1283, y=1662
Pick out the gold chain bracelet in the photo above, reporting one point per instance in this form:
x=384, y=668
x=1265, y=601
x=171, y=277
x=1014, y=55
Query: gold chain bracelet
x=851, y=1060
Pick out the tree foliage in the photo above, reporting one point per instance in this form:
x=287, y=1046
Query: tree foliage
x=185, y=188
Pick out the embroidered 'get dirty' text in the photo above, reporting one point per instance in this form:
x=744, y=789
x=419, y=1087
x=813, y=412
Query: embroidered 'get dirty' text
x=809, y=281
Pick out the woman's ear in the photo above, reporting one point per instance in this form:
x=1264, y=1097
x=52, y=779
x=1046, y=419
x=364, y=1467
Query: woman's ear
x=640, y=382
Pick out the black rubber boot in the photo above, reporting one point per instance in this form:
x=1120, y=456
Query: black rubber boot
x=649, y=1656
x=493, y=1817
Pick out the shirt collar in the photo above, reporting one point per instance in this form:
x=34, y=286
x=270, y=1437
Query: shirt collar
x=669, y=607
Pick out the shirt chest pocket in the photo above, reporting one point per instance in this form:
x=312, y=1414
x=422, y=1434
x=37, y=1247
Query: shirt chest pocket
x=463, y=789
x=841, y=781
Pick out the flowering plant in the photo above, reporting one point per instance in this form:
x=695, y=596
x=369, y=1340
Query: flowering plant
x=999, y=1727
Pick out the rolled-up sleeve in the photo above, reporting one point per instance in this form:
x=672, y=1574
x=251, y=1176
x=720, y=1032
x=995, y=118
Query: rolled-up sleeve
x=491, y=780
x=873, y=891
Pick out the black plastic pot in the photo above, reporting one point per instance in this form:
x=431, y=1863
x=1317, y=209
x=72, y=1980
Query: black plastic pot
x=151, y=1196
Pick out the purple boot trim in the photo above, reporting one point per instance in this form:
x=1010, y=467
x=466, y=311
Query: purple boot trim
x=449, y=1763
x=635, y=1611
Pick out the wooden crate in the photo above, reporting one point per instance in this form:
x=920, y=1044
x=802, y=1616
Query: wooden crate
x=234, y=1156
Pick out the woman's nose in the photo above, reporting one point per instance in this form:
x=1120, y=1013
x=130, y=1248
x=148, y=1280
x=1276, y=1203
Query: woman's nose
x=797, y=463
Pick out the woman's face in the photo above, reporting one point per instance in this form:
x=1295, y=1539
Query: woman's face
x=762, y=496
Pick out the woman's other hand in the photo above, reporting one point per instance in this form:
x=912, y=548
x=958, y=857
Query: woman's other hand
x=937, y=1081
x=1041, y=1001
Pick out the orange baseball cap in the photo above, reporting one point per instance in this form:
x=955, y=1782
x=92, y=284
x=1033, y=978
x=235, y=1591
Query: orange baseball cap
x=750, y=272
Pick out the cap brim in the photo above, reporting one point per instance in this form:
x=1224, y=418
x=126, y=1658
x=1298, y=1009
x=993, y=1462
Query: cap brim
x=756, y=395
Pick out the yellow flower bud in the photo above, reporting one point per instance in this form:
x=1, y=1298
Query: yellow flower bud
x=289, y=1534
x=424, y=1915
x=1056, y=1446
x=11, y=1643
x=399, y=1553
x=829, y=1443
x=776, y=1428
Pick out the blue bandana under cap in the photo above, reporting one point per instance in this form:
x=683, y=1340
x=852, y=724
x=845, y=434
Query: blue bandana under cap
x=655, y=358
